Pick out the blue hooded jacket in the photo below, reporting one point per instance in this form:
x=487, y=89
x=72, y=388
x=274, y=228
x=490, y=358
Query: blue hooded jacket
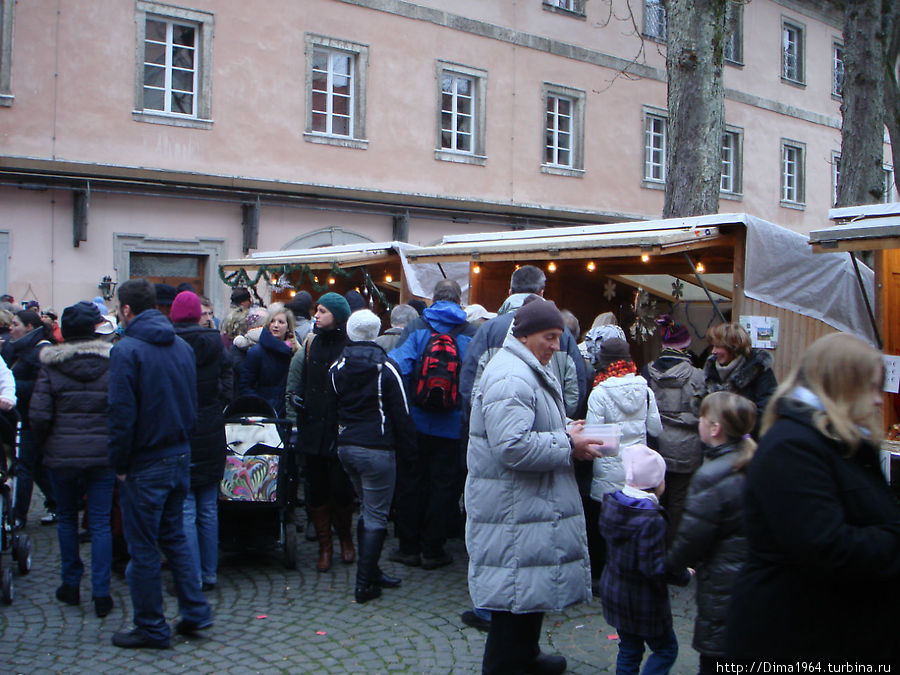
x=442, y=316
x=152, y=393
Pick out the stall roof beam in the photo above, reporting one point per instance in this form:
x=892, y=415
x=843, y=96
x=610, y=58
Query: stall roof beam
x=590, y=246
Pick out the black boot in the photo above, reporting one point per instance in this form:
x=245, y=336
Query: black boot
x=379, y=578
x=370, y=543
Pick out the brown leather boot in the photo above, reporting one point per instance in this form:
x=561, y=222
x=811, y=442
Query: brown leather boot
x=321, y=517
x=342, y=518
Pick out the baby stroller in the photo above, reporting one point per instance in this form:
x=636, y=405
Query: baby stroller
x=19, y=545
x=258, y=493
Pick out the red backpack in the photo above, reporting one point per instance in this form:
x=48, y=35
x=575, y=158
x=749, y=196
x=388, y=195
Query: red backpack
x=436, y=378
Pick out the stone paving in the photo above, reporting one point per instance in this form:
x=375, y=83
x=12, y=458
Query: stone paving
x=271, y=620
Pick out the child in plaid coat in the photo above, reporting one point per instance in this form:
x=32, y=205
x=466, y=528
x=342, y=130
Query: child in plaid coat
x=633, y=587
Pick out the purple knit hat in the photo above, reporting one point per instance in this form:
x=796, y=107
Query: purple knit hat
x=186, y=308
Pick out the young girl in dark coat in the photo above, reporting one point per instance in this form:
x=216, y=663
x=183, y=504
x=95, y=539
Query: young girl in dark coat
x=711, y=536
x=822, y=577
x=633, y=587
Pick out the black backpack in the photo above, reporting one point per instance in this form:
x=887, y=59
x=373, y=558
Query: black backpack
x=436, y=378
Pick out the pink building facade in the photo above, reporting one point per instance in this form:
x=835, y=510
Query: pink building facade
x=144, y=138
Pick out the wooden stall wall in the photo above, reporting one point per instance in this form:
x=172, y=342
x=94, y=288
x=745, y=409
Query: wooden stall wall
x=795, y=332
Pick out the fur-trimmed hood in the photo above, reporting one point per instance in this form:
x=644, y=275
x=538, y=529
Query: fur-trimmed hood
x=54, y=355
x=82, y=360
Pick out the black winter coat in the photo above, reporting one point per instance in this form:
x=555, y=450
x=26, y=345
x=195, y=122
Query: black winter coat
x=371, y=401
x=711, y=539
x=822, y=578
x=753, y=379
x=264, y=372
x=214, y=392
x=68, y=407
x=317, y=424
x=23, y=358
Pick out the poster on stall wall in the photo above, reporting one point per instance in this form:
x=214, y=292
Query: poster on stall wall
x=891, y=373
x=763, y=331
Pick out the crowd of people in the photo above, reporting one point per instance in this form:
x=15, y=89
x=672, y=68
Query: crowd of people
x=456, y=419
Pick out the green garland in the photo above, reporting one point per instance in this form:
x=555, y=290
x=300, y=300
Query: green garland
x=240, y=277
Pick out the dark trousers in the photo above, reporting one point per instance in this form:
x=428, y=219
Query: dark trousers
x=427, y=496
x=30, y=471
x=596, y=543
x=326, y=482
x=512, y=643
x=673, y=500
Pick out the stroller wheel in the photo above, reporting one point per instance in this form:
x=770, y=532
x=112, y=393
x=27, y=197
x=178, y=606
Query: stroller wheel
x=6, y=586
x=22, y=553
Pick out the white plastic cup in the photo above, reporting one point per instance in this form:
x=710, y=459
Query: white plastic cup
x=607, y=434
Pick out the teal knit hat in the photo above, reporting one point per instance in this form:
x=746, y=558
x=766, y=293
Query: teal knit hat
x=337, y=305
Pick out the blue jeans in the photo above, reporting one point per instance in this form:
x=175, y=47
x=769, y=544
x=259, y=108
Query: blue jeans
x=201, y=528
x=152, y=497
x=68, y=486
x=631, y=651
x=373, y=474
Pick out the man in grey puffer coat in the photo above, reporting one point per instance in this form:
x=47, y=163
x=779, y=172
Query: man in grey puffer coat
x=525, y=529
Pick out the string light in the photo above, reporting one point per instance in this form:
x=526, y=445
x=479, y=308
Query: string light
x=645, y=257
x=388, y=278
x=331, y=280
x=476, y=269
x=591, y=266
x=551, y=267
x=699, y=267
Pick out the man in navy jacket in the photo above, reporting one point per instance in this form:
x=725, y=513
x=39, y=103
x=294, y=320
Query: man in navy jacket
x=152, y=412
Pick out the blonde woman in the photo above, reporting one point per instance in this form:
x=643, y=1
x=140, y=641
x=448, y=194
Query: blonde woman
x=822, y=577
x=265, y=370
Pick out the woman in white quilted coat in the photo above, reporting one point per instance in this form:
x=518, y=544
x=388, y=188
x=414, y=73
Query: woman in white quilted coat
x=525, y=529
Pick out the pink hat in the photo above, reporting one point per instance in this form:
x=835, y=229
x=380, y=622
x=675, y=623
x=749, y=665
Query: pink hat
x=644, y=468
x=186, y=308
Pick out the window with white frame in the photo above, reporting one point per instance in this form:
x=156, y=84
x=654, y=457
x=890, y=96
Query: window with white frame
x=174, y=52
x=888, y=177
x=655, y=19
x=461, y=113
x=336, y=74
x=734, y=40
x=654, y=147
x=835, y=174
x=793, y=173
x=792, y=66
x=563, y=130
x=574, y=6
x=837, y=69
x=731, y=162
x=6, y=33
x=170, y=67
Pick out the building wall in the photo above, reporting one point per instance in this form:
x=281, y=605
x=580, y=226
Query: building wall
x=73, y=78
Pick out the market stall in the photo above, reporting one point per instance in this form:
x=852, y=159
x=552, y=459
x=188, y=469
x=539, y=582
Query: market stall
x=374, y=269
x=700, y=269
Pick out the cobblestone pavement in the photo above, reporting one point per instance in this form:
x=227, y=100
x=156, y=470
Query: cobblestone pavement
x=272, y=620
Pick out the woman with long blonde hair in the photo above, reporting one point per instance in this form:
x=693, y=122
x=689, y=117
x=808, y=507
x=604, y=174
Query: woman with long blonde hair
x=822, y=577
x=265, y=370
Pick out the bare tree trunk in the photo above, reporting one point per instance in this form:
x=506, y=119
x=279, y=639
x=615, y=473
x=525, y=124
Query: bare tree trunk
x=861, y=177
x=891, y=23
x=696, y=31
